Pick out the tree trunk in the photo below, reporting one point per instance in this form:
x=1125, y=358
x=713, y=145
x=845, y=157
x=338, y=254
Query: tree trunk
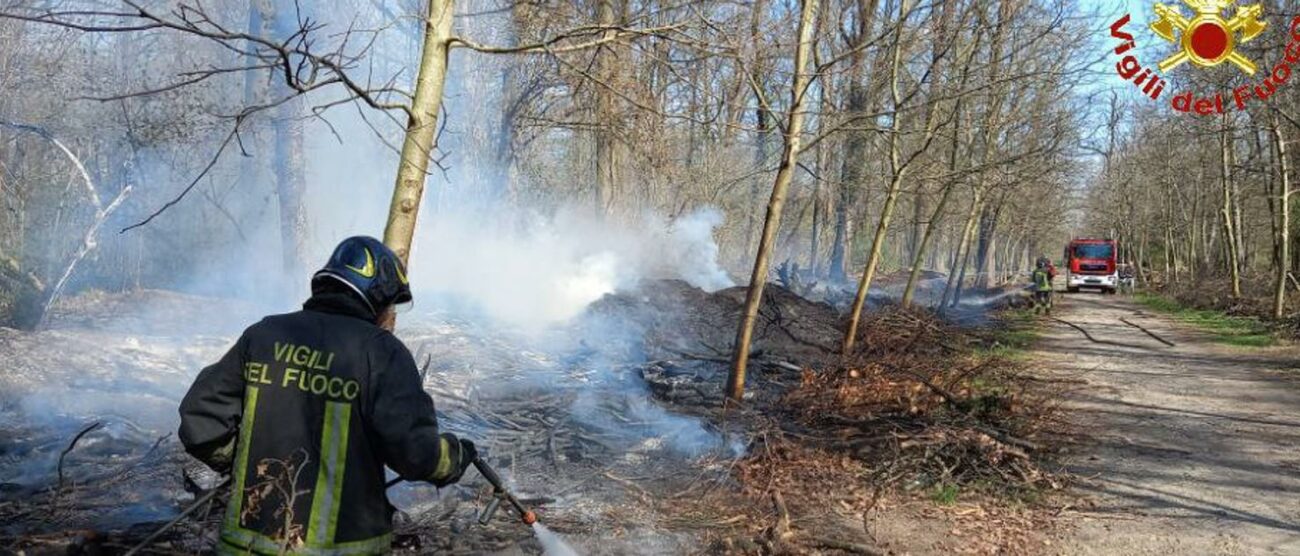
x=818, y=222
x=1239, y=236
x=927, y=231
x=897, y=170
x=1284, y=240
x=784, y=175
x=290, y=164
x=1295, y=236
x=850, y=180
x=607, y=159
x=984, y=251
x=290, y=182
x=504, y=159
x=958, y=271
x=421, y=129
x=256, y=86
x=764, y=130
x=1271, y=196
x=1229, y=235
x=855, y=144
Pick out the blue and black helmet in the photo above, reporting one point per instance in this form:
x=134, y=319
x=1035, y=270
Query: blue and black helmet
x=370, y=268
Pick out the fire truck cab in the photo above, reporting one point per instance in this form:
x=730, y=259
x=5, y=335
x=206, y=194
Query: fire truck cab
x=1091, y=263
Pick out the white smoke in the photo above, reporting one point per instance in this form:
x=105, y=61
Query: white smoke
x=531, y=271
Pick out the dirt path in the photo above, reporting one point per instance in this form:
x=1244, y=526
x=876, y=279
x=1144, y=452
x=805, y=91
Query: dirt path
x=1195, y=448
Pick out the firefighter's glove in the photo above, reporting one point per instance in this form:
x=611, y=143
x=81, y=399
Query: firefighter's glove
x=219, y=457
x=455, y=456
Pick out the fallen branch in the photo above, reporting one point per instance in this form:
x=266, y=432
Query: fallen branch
x=88, y=244
x=846, y=546
x=72, y=445
x=1008, y=439
x=946, y=395
x=198, y=503
x=782, y=528
x=786, y=365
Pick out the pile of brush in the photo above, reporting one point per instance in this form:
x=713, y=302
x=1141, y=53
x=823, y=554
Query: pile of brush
x=919, y=405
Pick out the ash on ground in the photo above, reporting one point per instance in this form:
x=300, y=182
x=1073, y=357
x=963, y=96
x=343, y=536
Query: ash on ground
x=601, y=423
x=567, y=417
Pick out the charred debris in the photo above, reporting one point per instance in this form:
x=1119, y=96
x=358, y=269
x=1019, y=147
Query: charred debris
x=622, y=428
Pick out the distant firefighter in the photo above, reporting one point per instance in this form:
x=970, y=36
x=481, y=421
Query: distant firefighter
x=1042, y=285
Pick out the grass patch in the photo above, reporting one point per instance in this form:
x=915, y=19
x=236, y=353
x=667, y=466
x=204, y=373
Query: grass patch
x=1012, y=336
x=945, y=494
x=1224, y=328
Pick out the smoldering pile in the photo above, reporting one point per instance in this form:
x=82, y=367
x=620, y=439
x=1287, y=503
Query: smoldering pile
x=684, y=336
x=566, y=417
x=923, y=401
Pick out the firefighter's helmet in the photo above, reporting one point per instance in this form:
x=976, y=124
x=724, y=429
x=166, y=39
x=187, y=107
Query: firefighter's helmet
x=368, y=267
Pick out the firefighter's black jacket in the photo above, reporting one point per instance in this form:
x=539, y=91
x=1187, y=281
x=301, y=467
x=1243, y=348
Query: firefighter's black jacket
x=323, y=396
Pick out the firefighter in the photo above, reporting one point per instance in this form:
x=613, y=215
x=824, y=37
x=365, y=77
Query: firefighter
x=1051, y=268
x=1042, y=286
x=308, y=408
x=1126, y=278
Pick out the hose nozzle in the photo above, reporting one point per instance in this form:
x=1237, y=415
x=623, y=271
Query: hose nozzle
x=499, y=489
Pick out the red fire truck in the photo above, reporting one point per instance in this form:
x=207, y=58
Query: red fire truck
x=1091, y=263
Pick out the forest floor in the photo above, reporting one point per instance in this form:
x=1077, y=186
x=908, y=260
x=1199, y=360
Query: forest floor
x=1187, y=449
x=1054, y=441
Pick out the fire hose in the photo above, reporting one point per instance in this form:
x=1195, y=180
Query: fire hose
x=499, y=493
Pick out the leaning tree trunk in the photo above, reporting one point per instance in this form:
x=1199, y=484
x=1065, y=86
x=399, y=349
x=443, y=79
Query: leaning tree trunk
x=784, y=175
x=421, y=129
x=898, y=170
x=1284, y=239
x=929, y=227
x=33, y=300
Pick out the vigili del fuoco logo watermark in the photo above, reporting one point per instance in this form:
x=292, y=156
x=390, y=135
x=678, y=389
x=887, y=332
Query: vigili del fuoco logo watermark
x=1205, y=40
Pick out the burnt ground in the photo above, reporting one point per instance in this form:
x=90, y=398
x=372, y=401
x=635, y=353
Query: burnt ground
x=610, y=426
x=1189, y=449
x=570, y=425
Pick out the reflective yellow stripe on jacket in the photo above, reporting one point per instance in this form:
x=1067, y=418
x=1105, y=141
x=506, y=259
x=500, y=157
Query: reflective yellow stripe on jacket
x=322, y=523
x=236, y=506
x=324, y=519
x=243, y=541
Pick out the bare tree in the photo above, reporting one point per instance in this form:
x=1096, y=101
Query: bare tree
x=785, y=173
